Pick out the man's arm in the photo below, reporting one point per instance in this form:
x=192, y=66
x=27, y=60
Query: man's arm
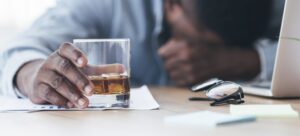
x=68, y=20
x=190, y=64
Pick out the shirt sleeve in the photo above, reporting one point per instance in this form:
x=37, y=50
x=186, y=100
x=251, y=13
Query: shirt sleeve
x=13, y=63
x=68, y=20
x=267, y=54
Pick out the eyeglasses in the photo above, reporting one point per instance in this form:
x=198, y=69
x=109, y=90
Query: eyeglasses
x=221, y=92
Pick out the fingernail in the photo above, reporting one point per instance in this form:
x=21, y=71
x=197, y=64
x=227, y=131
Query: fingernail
x=81, y=102
x=80, y=61
x=88, y=90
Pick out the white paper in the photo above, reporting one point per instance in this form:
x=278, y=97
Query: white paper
x=205, y=119
x=265, y=111
x=140, y=99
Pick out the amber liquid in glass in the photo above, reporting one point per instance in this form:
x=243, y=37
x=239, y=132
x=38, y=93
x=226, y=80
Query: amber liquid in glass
x=113, y=88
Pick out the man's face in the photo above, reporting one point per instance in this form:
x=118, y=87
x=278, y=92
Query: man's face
x=184, y=25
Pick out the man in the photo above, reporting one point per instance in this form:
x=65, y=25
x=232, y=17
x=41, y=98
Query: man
x=179, y=42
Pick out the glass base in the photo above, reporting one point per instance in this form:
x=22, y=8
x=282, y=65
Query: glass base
x=109, y=100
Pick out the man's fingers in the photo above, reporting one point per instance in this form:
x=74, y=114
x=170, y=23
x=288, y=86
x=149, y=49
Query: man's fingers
x=178, y=62
x=183, y=74
x=179, y=78
x=65, y=68
x=73, y=95
x=48, y=94
x=98, y=70
x=172, y=63
x=171, y=49
x=66, y=89
x=167, y=50
x=73, y=54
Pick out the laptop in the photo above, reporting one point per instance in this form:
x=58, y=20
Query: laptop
x=286, y=75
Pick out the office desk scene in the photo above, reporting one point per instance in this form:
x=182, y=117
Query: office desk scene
x=149, y=122
x=153, y=67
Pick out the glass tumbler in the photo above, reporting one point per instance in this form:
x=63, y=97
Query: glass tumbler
x=108, y=69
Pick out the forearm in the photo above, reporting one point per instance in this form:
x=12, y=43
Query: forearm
x=241, y=64
x=24, y=76
x=249, y=64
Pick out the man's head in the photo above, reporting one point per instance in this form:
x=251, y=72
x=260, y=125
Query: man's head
x=229, y=22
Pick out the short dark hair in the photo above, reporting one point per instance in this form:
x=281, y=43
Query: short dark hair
x=238, y=22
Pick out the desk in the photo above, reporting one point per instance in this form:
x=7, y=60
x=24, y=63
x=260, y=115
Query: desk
x=120, y=122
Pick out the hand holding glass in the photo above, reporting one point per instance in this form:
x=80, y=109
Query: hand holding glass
x=112, y=87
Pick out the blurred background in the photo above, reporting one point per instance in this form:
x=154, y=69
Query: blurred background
x=16, y=15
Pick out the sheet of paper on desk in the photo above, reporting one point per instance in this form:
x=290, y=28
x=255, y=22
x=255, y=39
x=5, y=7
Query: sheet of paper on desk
x=205, y=119
x=265, y=111
x=140, y=99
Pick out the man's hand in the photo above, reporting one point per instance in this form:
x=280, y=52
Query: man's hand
x=60, y=79
x=191, y=63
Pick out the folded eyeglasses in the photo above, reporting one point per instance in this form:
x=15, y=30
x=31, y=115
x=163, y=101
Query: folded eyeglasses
x=221, y=92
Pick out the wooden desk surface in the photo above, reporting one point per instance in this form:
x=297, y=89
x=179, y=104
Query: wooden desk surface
x=129, y=122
